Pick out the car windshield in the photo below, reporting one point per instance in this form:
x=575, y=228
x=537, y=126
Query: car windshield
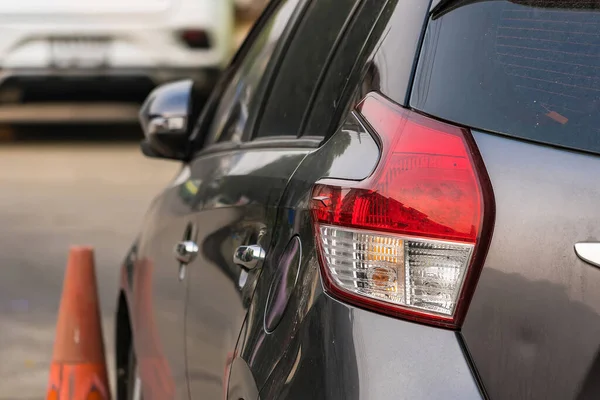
x=528, y=69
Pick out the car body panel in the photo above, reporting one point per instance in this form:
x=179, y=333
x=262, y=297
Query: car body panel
x=533, y=326
x=238, y=194
x=391, y=66
x=260, y=350
x=158, y=297
x=341, y=352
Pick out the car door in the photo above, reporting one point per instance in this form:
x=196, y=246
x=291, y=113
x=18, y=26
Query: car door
x=160, y=281
x=159, y=287
x=251, y=150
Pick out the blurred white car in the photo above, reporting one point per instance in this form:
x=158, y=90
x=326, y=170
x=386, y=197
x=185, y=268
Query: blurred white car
x=97, y=59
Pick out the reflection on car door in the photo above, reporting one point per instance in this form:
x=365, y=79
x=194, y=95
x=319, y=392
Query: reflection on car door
x=160, y=286
x=236, y=188
x=254, y=147
x=238, y=208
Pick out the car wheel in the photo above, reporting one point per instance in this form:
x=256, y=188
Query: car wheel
x=134, y=383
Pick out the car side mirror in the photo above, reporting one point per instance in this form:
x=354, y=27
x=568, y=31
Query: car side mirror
x=167, y=118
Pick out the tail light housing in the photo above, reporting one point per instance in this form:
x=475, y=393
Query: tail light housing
x=195, y=38
x=409, y=240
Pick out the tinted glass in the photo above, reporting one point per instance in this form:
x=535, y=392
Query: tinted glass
x=346, y=69
x=304, y=60
x=243, y=91
x=525, y=68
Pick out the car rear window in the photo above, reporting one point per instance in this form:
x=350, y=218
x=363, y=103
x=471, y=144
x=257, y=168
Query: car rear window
x=524, y=68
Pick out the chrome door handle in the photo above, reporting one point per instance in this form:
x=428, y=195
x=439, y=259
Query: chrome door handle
x=186, y=251
x=248, y=257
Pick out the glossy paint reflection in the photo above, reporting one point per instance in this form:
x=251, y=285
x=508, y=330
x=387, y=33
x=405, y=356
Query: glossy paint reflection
x=536, y=310
x=154, y=369
x=337, y=158
x=283, y=284
x=215, y=309
x=238, y=198
x=156, y=293
x=351, y=153
x=341, y=352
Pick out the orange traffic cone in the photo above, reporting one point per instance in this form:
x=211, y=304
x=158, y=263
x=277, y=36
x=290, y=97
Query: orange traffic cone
x=78, y=370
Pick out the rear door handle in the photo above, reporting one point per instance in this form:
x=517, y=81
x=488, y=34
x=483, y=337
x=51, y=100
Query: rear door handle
x=185, y=251
x=589, y=252
x=248, y=257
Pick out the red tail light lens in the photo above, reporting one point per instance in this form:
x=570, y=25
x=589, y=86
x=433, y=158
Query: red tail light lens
x=195, y=38
x=405, y=241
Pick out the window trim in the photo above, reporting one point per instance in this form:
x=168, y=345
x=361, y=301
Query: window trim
x=204, y=120
x=348, y=23
x=281, y=51
x=366, y=54
x=271, y=142
x=270, y=71
x=300, y=140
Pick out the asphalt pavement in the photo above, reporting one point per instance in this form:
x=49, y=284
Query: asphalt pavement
x=58, y=189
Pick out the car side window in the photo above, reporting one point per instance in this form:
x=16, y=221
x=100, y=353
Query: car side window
x=336, y=94
x=243, y=90
x=306, y=58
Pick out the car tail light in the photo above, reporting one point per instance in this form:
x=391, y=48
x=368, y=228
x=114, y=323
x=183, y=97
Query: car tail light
x=195, y=38
x=410, y=239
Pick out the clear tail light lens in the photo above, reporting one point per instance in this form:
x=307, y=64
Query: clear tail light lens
x=410, y=239
x=416, y=273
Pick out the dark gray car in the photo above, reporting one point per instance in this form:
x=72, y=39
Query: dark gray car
x=381, y=199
